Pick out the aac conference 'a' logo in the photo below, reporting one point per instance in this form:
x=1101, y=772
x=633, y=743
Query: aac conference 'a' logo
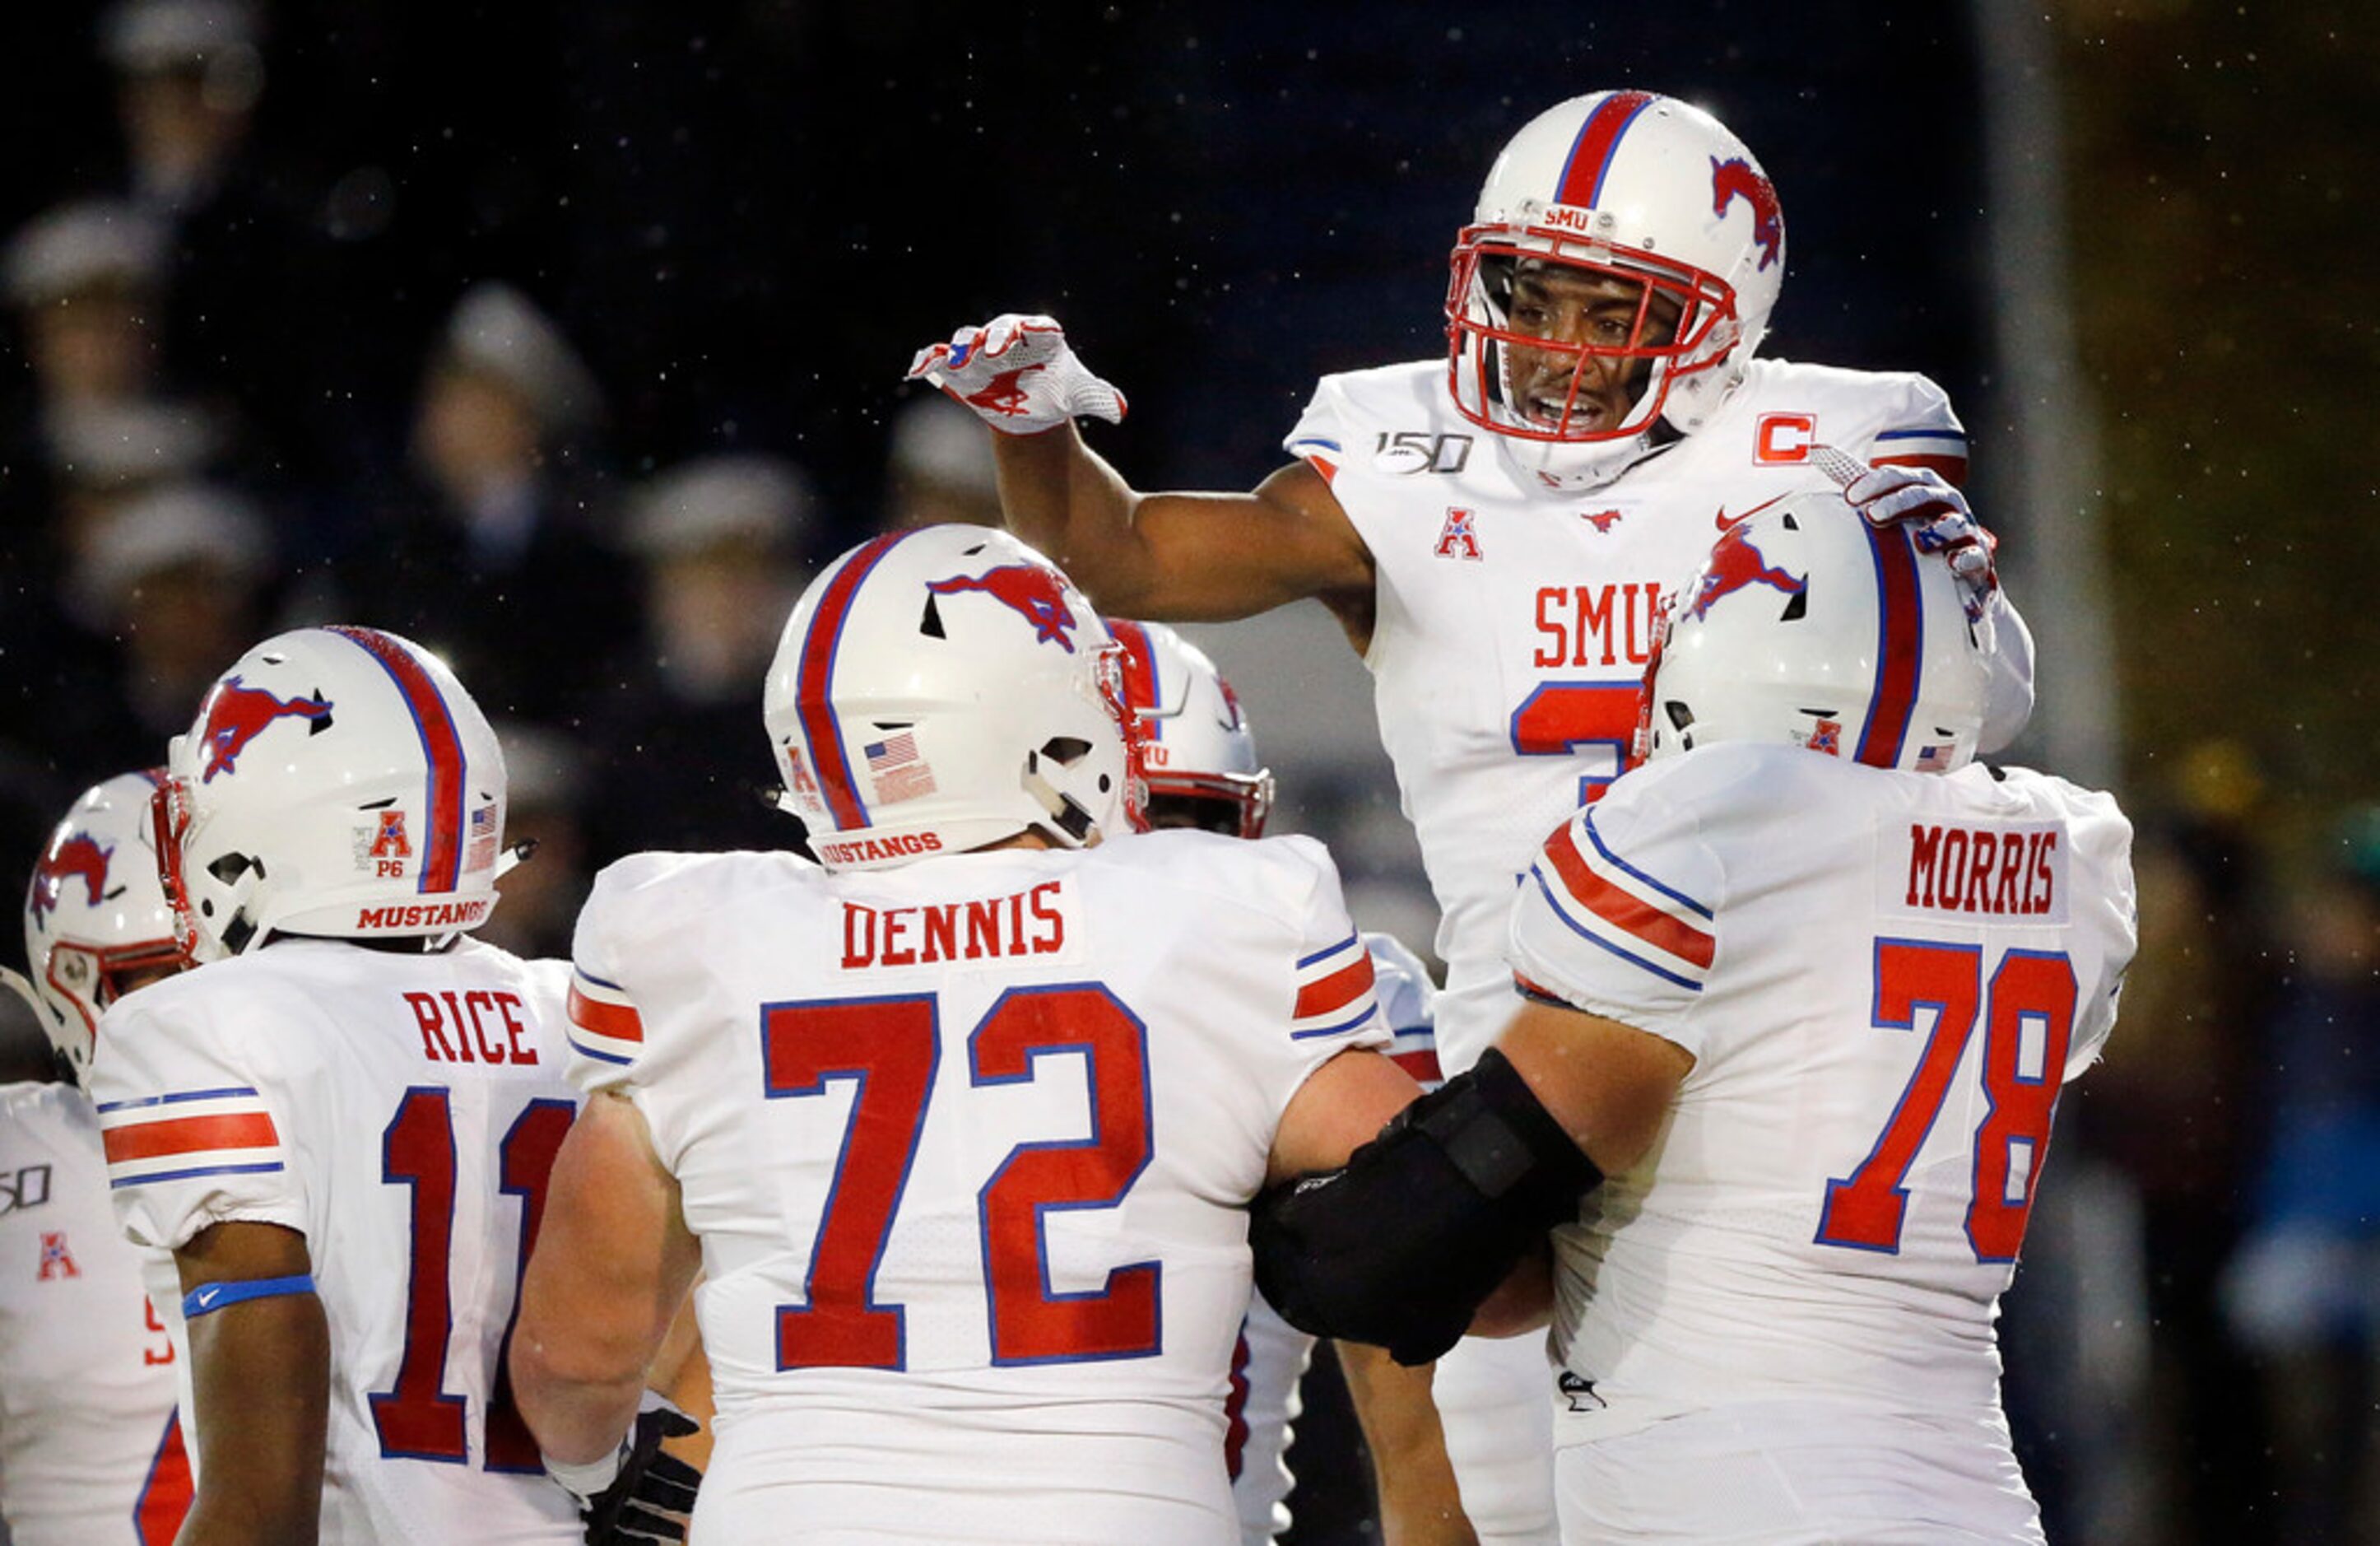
x=1034, y=593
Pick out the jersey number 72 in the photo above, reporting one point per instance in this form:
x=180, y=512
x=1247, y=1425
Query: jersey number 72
x=889, y=1047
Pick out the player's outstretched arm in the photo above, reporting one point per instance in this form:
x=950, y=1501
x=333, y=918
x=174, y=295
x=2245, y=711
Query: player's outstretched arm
x=1411, y=1474
x=1173, y=557
x=261, y=1379
x=613, y=1264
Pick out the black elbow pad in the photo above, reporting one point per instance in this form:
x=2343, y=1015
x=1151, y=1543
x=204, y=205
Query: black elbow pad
x=1399, y=1247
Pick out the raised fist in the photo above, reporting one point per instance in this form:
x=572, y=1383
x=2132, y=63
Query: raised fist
x=1019, y=375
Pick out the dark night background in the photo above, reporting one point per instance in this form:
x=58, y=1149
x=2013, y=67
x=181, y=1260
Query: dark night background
x=747, y=215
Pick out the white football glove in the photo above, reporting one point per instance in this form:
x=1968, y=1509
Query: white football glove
x=1019, y=375
x=1922, y=498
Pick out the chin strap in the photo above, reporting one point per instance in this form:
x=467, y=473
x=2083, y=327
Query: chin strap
x=1066, y=812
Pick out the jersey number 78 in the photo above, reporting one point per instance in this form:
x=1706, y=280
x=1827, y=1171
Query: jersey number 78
x=2028, y=1014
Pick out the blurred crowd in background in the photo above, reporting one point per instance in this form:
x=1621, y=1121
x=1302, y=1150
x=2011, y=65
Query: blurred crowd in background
x=565, y=339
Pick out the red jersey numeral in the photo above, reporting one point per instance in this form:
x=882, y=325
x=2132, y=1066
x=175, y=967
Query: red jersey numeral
x=888, y=1049
x=1559, y=717
x=2030, y=1009
x=524, y=1166
x=164, y=1352
x=416, y=1418
x=1031, y=1323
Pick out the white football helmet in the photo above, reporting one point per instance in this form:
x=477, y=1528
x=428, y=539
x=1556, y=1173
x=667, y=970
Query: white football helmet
x=1809, y=627
x=95, y=914
x=336, y=782
x=1633, y=186
x=1195, y=743
x=938, y=689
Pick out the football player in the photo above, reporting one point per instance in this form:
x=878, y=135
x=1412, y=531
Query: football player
x=962, y=1122
x=1804, y=991
x=1199, y=761
x=1493, y=530
x=91, y=1447
x=343, y=1125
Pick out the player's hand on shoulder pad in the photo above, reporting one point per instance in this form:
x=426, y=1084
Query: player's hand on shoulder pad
x=640, y=1494
x=1019, y=374
x=1944, y=523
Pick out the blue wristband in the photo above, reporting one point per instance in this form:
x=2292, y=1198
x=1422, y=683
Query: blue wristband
x=207, y=1298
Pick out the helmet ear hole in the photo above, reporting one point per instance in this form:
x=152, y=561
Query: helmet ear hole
x=1067, y=750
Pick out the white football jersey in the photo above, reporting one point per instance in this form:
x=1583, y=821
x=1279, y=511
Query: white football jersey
x=1513, y=620
x=90, y=1450
x=968, y=1145
x=402, y=1113
x=1885, y=980
x=1273, y=1355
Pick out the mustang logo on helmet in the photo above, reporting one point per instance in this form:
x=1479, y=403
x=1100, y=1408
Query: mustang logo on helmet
x=78, y=858
x=1033, y=593
x=236, y=715
x=1736, y=180
x=1735, y=564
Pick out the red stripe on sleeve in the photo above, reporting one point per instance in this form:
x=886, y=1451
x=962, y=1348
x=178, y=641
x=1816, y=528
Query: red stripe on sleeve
x=1622, y=909
x=189, y=1135
x=1422, y=1065
x=1337, y=991
x=617, y=1021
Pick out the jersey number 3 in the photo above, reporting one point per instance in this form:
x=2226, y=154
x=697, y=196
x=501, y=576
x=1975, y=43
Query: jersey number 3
x=889, y=1048
x=1560, y=718
x=2028, y=1021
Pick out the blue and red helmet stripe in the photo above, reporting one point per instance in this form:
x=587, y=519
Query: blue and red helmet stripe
x=1900, y=632
x=442, y=747
x=1597, y=142
x=814, y=684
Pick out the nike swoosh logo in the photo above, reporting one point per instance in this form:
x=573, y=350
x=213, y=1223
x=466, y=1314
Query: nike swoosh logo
x=208, y=1296
x=1724, y=521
